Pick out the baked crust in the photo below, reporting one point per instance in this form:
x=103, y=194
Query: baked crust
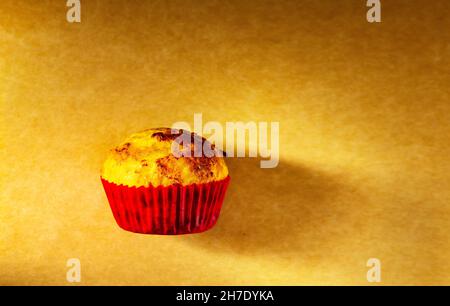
x=146, y=158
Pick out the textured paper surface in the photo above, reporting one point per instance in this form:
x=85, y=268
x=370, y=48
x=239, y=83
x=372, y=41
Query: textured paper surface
x=364, y=138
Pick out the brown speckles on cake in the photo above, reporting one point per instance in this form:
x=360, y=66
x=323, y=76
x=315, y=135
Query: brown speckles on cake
x=202, y=166
x=171, y=166
x=196, y=142
x=166, y=135
x=167, y=167
x=123, y=151
x=123, y=148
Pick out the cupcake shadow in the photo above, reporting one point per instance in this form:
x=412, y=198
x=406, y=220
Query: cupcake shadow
x=287, y=209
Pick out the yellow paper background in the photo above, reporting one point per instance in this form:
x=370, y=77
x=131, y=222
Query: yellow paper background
x=364, y=114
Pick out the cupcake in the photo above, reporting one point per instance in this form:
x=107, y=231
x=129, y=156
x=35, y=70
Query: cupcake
x=153, y=189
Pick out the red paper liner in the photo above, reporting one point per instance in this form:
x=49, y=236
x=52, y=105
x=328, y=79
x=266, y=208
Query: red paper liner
x=171, y=210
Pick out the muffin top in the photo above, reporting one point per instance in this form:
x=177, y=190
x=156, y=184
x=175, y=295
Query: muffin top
x=146, y=158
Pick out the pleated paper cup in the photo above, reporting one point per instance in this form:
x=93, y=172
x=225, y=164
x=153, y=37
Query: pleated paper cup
x=171, y=210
